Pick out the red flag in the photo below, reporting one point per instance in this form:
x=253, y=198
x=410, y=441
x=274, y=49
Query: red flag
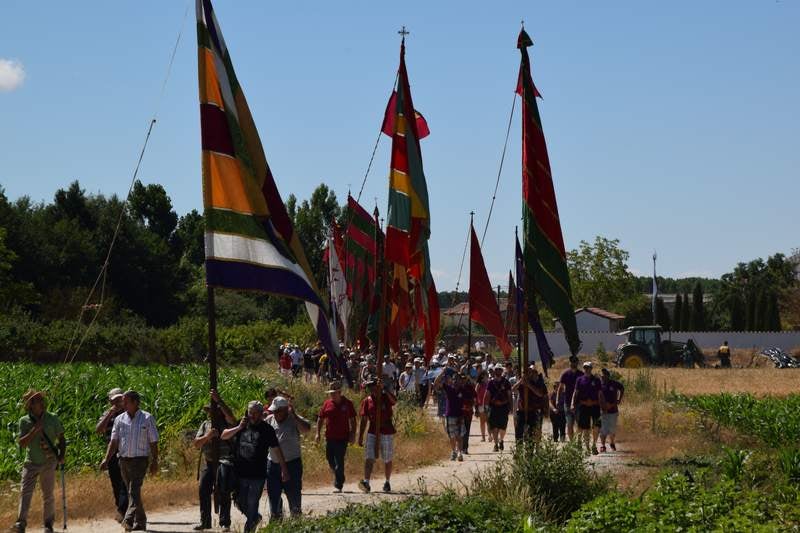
x=483, y=307
x=390, y=114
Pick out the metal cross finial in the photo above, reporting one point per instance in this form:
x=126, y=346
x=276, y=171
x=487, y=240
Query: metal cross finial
x=403, y=32
x=522, y=22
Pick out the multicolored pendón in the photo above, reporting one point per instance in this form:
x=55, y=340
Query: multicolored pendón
x=545, y=256
x=250, y=242
x=408, y=222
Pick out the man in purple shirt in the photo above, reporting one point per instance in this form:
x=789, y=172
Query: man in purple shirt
x=566, y=388
x=452, y=387
x=611, y=392
x=586, y=404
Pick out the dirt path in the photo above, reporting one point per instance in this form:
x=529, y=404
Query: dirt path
x=320, y=500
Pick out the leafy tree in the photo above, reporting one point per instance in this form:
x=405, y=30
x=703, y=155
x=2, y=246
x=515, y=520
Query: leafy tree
x=188, y=239
x=738, y=320
x=150, y=205
x=599, y=274
x=312, y=220
x=698, y=310
x=676, y=316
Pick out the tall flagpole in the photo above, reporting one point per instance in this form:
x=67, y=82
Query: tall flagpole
x=469, y=300
x=655, y=291
x=212, y=338
x=518, y=307
x=380, y=271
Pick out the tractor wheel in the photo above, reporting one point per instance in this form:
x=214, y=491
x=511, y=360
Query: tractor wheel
x=632, y=360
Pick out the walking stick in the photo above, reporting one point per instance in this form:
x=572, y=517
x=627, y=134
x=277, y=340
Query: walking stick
x=63, y=495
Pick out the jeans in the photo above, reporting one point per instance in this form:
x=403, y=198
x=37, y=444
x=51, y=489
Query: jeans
x=117, y=486
x=249, y=496
x=218, y=475
x=335, y=451
x=46, y=472
x=527, y=424
x=133, y=470
x=465, y=438
x=559, y=423
x=293, y=488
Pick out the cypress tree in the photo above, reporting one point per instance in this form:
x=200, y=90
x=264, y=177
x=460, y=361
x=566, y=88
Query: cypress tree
x=676, y=315
x=698, y=312
x=750, y=311
x=760, y=320
x=685, y=313
x=663, y=315
x=738, y=318
x=775, y=313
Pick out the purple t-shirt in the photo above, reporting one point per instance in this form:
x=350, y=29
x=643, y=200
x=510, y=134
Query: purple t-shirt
x=455, y=400
x=587, y=388
x=568, y=378
x=609, y=390
x=497, y=392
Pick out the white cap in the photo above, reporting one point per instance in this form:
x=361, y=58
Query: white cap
x=114, y=393
x=442, y=351
x=278, y=402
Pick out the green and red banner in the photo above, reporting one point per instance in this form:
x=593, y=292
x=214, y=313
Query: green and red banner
x=545, y=257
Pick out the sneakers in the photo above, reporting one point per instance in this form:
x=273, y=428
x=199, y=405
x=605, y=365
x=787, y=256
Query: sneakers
x=465, y=452
x=613, y=446
x=496, y=447
x=363, y=485
x=337, y=490
x=387, y=487
x=603, y=449
x=453, y=456
x=460, y=457
x=594, y=450
x=201, y=527
x=501, y=445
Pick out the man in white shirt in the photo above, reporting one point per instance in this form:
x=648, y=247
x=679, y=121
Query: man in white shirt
x=288, y=426
x=407, y=381
x=134, y=438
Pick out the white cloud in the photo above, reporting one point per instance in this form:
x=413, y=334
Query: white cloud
x=12, y=74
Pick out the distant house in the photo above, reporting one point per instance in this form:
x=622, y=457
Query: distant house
x=457, y=315
x=595, y=319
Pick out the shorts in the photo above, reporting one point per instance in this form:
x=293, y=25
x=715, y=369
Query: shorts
x=498, y=417
x=454, y=426
x=387, y=447
x=608, y=423
x=479, y=409
x=588, y=416
x=569, y=416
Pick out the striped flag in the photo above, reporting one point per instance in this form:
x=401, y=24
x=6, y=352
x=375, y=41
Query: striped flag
x=545, y=257
x=526, y=301
x=408, y=220
x=250, y=242
x=340, y=301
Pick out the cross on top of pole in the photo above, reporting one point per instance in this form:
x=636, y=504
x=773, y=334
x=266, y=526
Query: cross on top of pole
x=403, y=32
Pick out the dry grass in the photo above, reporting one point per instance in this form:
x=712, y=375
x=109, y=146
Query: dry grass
x=89, y=494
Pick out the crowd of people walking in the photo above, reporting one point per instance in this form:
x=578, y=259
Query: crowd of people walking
x=241, y=457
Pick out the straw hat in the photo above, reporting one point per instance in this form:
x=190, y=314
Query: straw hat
x=29, y=396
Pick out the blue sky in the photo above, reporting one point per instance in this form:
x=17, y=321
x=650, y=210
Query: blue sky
x=671, y=125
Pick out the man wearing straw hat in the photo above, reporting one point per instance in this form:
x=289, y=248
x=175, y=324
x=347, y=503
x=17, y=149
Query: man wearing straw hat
x=104, y=426
x=339, y=416
x=42, y=436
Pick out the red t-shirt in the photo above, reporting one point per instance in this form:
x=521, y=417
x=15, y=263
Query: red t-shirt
x=286, y=361
x=337, y=418
x=368, y=410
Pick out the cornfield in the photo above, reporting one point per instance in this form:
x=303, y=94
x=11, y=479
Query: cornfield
x=76, y=393
x=776, y=421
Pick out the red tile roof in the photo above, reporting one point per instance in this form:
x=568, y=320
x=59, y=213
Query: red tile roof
x=600, y=312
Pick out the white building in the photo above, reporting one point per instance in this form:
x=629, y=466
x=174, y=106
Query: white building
x=595, y=319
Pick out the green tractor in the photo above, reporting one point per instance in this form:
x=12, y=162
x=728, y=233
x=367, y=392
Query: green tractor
x=645, y=347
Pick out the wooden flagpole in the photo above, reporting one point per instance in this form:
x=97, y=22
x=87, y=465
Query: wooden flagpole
x=469, y=300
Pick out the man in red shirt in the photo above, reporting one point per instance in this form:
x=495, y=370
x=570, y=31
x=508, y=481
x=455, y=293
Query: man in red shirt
x=367, y=412
x=339, y=416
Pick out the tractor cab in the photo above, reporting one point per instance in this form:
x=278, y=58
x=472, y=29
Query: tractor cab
x=645, y=346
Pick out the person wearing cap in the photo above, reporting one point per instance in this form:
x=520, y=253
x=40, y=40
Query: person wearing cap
x=104, y=427
x=339, y=416
x=41, y=435
x=288, y=426
x=532, y=395
x=498, y=392
x=254, y=441
x=285, y=363
x=611, y=393
x=586, y=404
x=452, y=390
x=564, y=392
x=368, y=413
x=134, y=437
x=216, y=464
x=406, y=379
x=297, y=361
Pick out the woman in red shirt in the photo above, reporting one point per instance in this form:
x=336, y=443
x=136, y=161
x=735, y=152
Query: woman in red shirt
x=480, y=403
